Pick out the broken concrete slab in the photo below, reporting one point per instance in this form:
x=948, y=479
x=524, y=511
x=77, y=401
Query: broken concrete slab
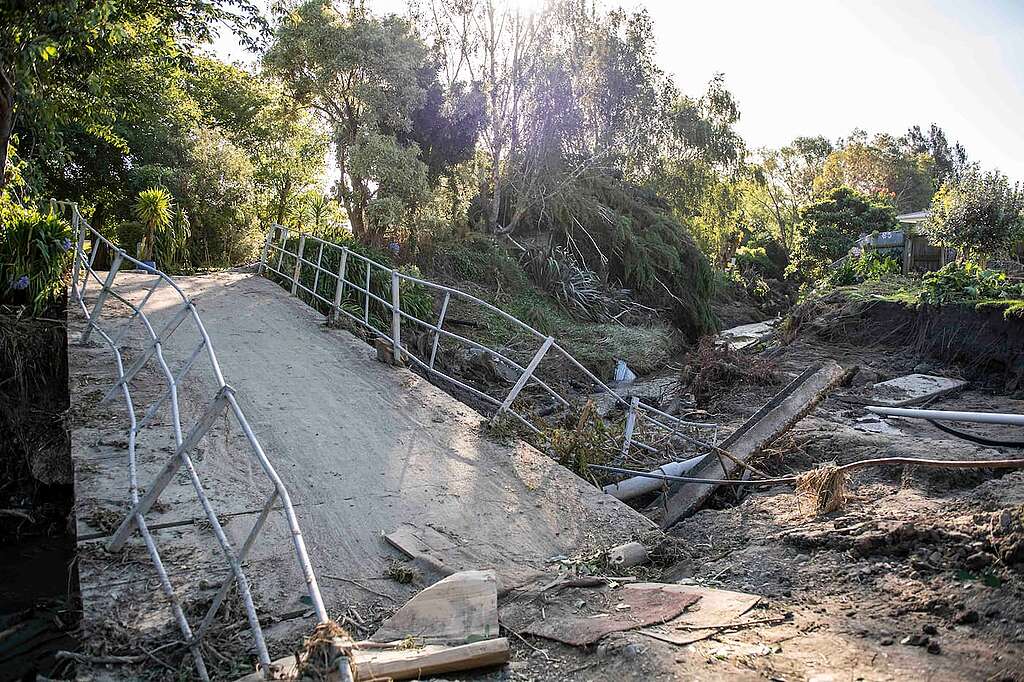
x=913, y=389
x=746, y=335
x=776, y=417
x=458, y=609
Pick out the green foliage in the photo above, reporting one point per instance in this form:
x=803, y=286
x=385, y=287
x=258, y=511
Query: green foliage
x=638, y=243
x=979, y=214
x=868, y=267
x=884, y=168
x=35, y=251
x=754, y=258
x=829, y=227
x=963, y=282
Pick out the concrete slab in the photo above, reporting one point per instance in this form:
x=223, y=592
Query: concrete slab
x=363, y=448
x=747, y=335
x=913, y=389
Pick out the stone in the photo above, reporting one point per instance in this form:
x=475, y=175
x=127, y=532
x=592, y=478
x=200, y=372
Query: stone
x=977, y=561
x=886, y=641
x=966, y=617
x=934, y=648
x=915, y=640
x=930, y=629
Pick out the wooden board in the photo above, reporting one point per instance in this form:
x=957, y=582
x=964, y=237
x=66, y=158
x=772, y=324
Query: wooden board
x=461, y=608
x=408, y=664
x=716, y=607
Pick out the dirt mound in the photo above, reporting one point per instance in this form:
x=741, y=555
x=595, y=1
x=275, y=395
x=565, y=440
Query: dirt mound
x=986, y=345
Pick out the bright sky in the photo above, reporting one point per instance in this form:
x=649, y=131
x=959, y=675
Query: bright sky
x=824, y=67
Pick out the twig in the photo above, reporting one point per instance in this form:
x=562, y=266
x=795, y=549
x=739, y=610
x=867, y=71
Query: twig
x=100, y=660
x=785, y=618
x=17, y=513
x=361, y=586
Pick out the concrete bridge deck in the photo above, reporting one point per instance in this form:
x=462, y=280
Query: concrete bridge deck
x=363, y=448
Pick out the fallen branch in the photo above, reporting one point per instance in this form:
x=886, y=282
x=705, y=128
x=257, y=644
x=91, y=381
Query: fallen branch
x=101, y=660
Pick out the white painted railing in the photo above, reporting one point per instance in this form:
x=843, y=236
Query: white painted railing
x=223, y=401
x=287, y=255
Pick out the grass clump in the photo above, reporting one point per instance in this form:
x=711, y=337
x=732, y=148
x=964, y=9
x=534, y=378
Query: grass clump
x=825, y=487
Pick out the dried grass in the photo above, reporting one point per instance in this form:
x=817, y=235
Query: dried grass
x=824, y=487
x=319, y=656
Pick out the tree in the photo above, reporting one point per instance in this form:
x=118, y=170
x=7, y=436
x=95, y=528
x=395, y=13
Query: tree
x=783, y=181
x=880, y=167
x=948, y=161
x=829, y=227
x=979, y=214
x=51, y=53
x=360, y=73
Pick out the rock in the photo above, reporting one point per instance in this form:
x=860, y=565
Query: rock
x=966, y=617
x=930, y=629
x=977, y=561
x=886, y=641
x=915, y=640
x=633, y=651
x=935, y=558
x=934, y=648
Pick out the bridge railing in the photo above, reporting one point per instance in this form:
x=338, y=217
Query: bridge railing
x=84, y=278
x=340, y=294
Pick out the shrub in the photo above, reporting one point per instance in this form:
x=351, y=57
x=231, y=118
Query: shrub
x=35, y=251
x=967, y=282
x=829, y=227
x=153, y=210
x=979, y=214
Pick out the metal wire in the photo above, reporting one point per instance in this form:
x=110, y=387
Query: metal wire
x=224, y=401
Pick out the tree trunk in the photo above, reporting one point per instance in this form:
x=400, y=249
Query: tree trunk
x=6, y=123
x=282, y=199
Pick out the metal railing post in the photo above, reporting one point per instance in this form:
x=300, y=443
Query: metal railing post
x=266, y=249
x=298, y=263
x=627, y=435
x=366, y=298
x=166, y=474
x=396, y=317
x=79, y=232
x=525, y=377
x=437, y=332
x=339, y=290
x=101, y=298
x=319, y=265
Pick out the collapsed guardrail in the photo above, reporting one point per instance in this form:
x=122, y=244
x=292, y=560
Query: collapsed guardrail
x=340, y=294
x=223, y=401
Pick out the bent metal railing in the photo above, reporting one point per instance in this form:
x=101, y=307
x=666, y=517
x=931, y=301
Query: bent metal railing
x=331, y=287
x=223, y=401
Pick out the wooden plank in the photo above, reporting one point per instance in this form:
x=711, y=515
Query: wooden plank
x=460, y=608
x=407, y=664
x=770, y=422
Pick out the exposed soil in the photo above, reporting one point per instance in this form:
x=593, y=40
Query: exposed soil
x=918, y=576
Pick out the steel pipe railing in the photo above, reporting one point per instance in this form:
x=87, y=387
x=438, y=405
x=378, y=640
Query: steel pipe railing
x=224, y=402
x=665, y=428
